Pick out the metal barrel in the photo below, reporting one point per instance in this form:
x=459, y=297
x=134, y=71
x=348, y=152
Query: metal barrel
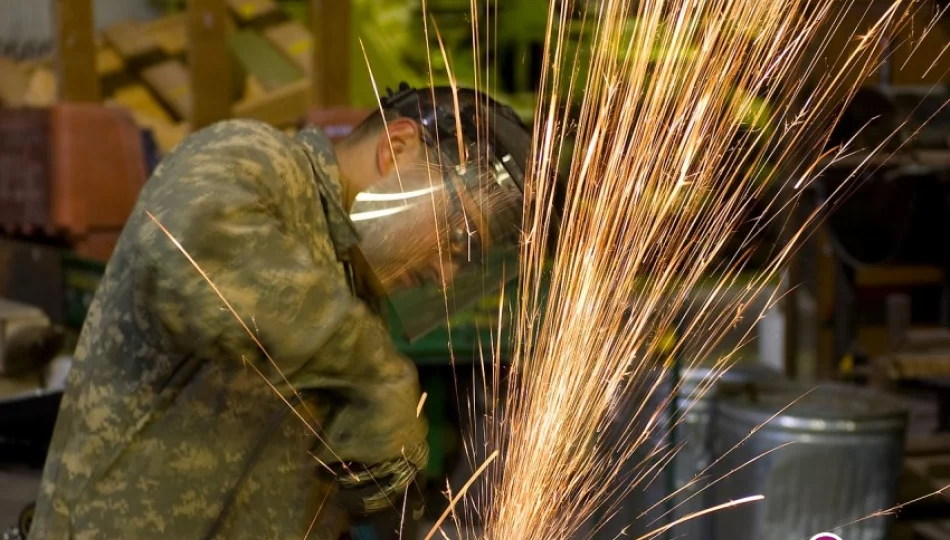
x=695, y=403
x=641, y=483
x=645, y=507
x=843, y=465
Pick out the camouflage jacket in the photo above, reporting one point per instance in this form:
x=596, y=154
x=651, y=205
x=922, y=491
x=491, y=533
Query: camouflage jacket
x=174, y=424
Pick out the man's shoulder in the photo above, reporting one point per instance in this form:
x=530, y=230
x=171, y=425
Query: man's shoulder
x=235, y=134
x=233, y=152
x=240, y=127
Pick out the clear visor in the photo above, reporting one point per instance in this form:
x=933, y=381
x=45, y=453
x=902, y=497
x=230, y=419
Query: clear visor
x=438, y=238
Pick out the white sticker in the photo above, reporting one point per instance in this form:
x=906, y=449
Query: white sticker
x=826, y=536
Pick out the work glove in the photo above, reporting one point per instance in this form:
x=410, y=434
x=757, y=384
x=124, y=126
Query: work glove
x=368, y=489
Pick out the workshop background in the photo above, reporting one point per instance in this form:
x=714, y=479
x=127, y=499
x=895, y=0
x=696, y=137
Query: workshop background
x=93, y=93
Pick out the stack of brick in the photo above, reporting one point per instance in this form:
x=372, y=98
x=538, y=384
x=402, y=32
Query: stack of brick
x=70, y=172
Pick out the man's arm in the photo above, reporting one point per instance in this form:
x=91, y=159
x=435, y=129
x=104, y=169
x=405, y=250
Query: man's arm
x=219, y=195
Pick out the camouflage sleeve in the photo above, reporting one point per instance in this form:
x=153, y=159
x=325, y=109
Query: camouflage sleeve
x=233, y=196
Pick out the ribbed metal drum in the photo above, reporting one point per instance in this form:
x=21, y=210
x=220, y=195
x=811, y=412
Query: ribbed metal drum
x=639, y=510
x=843, y=464
x=695, y=403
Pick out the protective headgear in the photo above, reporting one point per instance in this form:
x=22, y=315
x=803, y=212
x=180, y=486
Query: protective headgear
x=459, y=218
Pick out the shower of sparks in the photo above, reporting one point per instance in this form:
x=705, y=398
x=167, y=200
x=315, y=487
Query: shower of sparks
x=671, y=149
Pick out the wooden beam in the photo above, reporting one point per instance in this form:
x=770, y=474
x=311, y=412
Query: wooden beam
x=295, y=41
x=330, y=75
x=791, y=284
x=209, y=61
x=825, y=283
x=75, y=51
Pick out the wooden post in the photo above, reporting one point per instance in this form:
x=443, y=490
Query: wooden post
x=75, y=51
x=790, y=311
x=791, y=288
x=825, y=283
x=209, y=62
x=330, y=73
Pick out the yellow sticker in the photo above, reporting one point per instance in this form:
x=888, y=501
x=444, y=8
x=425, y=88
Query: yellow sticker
x=847, y=364
x=300, y=46
x=179, y=91
x=247, y=10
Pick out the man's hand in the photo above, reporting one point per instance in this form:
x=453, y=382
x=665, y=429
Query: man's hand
x=370, y=489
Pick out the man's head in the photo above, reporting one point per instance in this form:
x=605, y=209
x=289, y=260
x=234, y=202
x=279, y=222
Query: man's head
x=435, y=185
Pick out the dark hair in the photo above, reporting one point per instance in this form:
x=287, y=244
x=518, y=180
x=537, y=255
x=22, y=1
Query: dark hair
x=500, y=119
x=371, y=126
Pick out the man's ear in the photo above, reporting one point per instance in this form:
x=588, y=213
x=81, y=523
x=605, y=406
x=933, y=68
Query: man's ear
x=402, y=142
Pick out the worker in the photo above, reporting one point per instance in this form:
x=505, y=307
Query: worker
x=233, y=378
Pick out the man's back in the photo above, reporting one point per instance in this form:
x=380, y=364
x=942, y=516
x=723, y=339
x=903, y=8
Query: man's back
x=168, y=427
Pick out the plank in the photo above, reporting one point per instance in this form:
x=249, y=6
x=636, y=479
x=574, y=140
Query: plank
x=170, y=33
x=167, y=133
x=108, y=62
x=293, y=39
x=263, y=61
x=149, y=114
x=172, y=84
x=131, y=40
x=140, y=101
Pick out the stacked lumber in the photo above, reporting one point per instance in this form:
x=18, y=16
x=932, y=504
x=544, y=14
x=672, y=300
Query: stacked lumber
x=143, y=67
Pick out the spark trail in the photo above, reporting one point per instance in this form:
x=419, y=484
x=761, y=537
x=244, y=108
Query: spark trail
x=672, y=147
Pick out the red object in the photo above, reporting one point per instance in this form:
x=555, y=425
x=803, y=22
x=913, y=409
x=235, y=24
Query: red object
x=73, y=171
x=337, y=122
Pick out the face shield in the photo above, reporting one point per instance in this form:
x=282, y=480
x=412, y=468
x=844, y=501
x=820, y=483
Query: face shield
x=441, y=235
